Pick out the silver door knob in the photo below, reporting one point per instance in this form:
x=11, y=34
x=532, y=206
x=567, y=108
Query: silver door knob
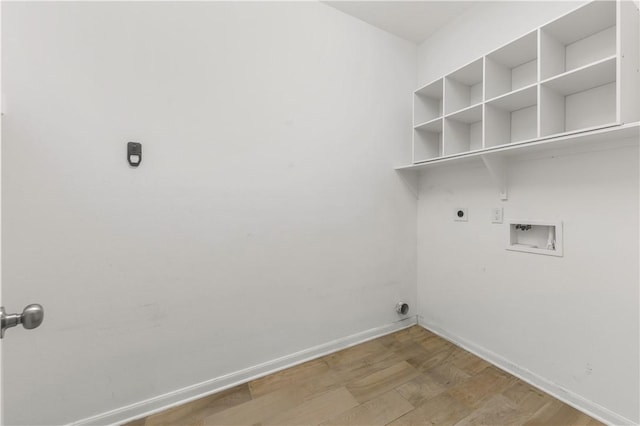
x=31, y=317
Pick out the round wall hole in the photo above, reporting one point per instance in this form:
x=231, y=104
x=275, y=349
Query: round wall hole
x=402, y=308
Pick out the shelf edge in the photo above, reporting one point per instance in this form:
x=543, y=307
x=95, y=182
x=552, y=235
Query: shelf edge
x=622, y=131
x=579, y=69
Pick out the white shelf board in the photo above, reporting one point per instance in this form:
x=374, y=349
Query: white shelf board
x=434, y=125
x=471, y=114
x=587, y=77
x=602, y=137
x=518, y=99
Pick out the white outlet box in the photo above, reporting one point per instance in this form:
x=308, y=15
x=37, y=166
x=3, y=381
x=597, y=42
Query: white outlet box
x=496, y=215
x=460, y=215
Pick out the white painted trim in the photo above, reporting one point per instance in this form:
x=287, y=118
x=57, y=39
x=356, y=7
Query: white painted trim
x=190, y=393
x=3, y=108
x=565, y=395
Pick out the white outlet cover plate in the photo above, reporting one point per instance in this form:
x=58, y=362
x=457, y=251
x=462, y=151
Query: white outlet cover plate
x=460, y=218
x=496, y=215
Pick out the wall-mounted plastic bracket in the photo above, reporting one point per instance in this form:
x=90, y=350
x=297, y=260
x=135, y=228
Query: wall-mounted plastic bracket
x=497, y=167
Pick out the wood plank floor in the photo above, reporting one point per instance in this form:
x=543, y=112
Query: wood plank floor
x=411, y=377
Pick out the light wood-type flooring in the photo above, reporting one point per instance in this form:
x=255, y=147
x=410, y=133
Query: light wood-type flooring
x=411, y=377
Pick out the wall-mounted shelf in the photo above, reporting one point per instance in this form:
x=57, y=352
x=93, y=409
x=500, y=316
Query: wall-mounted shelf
x=576, y=73
x=604, y=138
x=572, y=83
x=496, y=158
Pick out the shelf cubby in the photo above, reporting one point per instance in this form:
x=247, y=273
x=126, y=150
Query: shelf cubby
x=463, y=131
x=427, y=102
x=581, y=37
x=512, y=67
x=463, y=88
x=581, y=99
x=427, y=141
x=512, y=118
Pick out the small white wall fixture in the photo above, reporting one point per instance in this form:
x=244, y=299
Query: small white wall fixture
x=537, y=237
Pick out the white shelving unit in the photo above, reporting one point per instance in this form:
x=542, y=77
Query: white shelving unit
x=575, y=74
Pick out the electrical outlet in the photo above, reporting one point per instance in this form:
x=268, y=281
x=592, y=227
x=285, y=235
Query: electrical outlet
x=496, y=215
x=460, y=215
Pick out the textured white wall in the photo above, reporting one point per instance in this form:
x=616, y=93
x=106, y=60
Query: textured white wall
x=572, y=320
x=266, y=216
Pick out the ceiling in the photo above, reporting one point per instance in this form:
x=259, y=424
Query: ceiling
x=412, y=20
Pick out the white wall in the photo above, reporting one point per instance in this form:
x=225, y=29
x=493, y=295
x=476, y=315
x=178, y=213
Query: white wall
x=266, y=216
x=570, y=321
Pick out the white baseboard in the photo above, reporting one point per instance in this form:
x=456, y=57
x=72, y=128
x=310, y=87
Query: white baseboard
x=190, y=393
x=578, y=402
